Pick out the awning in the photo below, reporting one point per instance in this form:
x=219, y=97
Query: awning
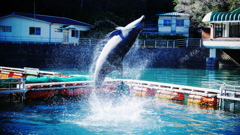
x=233, y=16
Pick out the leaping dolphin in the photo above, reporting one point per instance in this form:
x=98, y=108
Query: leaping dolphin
x=111, y=57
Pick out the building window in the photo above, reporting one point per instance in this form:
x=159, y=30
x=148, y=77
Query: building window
x=57, y=30
x=180, y=23
x=219, y=30
x=166, y=22
x=34, y=30
x=5, y=28
x=234, y=29
x=75, y=33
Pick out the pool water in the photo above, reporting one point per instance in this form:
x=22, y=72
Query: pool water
x=190, y=77
x=126, y=114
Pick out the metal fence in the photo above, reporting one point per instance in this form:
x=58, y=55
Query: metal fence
x=30, y=40
x=148, y=43
x=230, y=91
x=151, y=43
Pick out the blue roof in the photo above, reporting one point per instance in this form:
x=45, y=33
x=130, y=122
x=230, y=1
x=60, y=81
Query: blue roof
x=49, y=19
x=173, y=14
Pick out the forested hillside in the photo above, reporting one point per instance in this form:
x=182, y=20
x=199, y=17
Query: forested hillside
x=107, y=14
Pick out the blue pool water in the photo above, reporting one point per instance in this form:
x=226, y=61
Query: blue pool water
x=127, y=114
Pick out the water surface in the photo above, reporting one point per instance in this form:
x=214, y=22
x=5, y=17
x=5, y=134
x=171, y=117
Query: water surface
x=127, y=114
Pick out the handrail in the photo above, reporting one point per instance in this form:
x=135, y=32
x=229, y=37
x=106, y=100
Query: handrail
x=34, y=40
x=227, y=87
x=173, y=87
x=132, y=83
x=147, y=43
x=13, y=84
x=27, y=70
x=150, y=43
x=230, y=92
x=226, y=91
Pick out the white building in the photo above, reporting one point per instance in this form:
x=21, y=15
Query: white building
x=24, y=27
x=224, y=30
x=173, y=23
x=223, y=33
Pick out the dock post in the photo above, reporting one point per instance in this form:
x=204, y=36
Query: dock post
x=212, y=61
x=222, y=104
x=221, y=100
x=23, y=97
x=232, y=106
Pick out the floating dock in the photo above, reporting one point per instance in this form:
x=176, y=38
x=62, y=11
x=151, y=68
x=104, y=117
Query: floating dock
x=137, y=87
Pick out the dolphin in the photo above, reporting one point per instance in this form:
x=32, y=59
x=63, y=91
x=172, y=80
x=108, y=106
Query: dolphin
x=111, y=57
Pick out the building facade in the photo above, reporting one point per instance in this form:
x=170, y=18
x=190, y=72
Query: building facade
x=224, y=30
x=173, y=23
x=24, y=27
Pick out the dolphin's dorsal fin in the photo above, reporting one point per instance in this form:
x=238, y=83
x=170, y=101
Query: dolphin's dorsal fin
x=114, y=33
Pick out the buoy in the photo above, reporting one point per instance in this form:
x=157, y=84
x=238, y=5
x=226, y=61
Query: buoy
x=163, y=94
x=170, y=95
x=142, y=91
x=17, y=75
x=178, y=96
x=196, y=99
x=106, y=89
x=39, y=94
x=210, y=100
x=202, y=100
x=4, y=75
x=76, y=91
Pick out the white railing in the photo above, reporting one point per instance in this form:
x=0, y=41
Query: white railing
x=172, y=87
x=34, y=40
x=230, y=92
x=151, y=43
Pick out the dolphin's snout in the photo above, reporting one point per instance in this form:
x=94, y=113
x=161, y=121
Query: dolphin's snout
x=143, y=17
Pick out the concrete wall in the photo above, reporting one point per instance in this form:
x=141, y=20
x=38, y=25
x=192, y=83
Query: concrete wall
x=80, y=57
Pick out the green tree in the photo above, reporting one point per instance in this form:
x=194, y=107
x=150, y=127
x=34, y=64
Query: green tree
x=199, y=8
x=233, y=4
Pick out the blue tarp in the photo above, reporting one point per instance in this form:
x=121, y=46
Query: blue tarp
x=44, y=79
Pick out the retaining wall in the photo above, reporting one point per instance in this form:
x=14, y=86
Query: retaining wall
x=80, y=57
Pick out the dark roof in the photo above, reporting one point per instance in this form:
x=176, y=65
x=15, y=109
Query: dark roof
x=50, y=19
x=174, y=14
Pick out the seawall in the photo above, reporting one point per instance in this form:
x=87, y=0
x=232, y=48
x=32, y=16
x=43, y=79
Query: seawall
x=81, y=57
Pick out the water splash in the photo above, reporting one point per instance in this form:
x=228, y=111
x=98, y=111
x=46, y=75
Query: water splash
x=97, y=51
x=114, y=111
x=109, y=113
